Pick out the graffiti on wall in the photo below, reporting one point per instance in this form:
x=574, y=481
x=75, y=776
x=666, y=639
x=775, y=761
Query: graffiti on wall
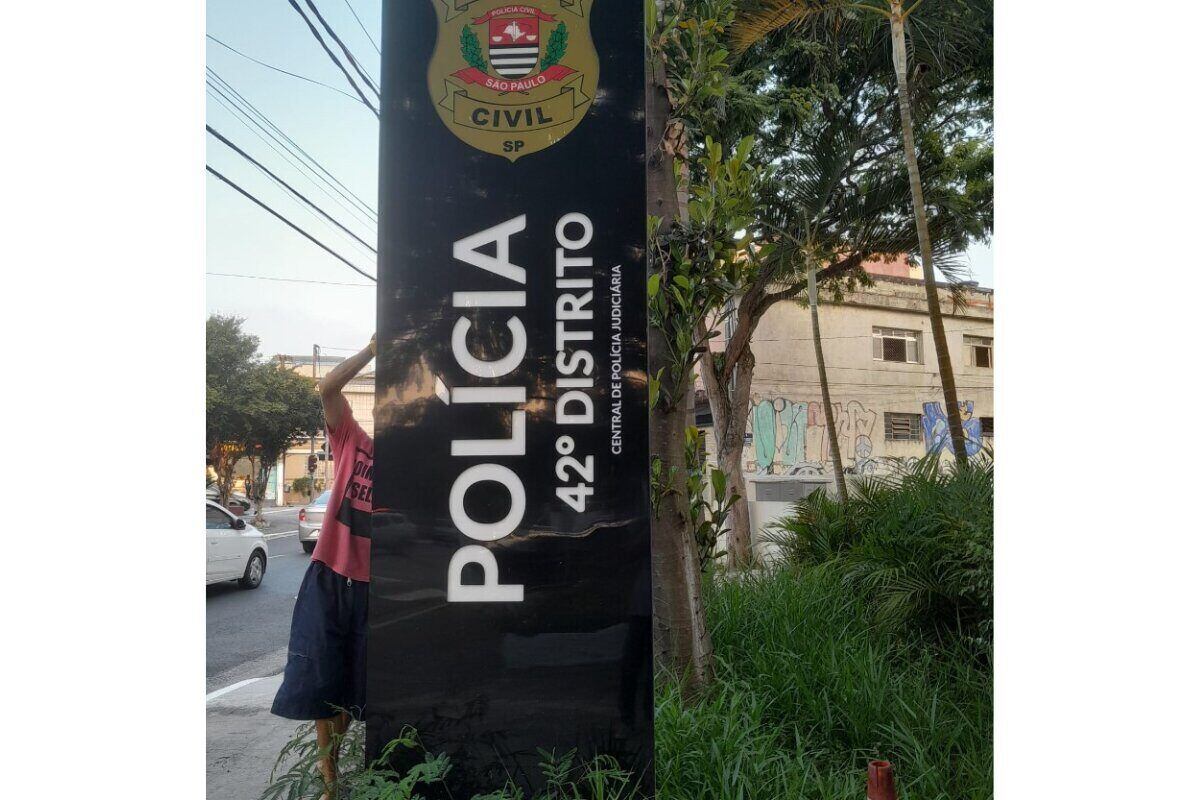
x=790, y=437
x=937, y=427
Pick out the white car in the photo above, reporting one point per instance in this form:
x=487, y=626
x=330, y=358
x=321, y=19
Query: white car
x=236, y=550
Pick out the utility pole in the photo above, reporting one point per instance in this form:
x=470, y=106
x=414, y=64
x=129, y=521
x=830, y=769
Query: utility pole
x=312, y=439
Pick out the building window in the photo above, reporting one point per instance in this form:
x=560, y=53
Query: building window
x=894, y=344
x=979, y=351
x=901, y=427
x=985, y=426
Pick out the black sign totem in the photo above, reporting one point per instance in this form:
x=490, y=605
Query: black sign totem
x=510, y=606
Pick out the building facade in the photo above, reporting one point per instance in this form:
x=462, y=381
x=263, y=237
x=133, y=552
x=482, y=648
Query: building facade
x=884, y=384
x=883, y=379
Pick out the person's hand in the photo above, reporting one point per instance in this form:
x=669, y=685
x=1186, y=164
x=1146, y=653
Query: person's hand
x=372, y=345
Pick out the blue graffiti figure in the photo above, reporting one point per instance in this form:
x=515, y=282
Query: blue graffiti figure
x=937, y=427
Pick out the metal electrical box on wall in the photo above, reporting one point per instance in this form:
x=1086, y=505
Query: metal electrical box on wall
x=510, y=606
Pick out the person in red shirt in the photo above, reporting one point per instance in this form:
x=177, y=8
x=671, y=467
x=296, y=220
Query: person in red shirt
x=325, y=676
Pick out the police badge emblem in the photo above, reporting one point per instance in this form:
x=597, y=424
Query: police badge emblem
x=513, y=78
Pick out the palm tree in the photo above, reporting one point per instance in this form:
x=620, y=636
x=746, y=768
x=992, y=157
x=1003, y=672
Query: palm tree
x=835, y=450
x=764, y=17
x=831, y=213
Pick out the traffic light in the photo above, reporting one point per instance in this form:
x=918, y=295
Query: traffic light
x=312, y=463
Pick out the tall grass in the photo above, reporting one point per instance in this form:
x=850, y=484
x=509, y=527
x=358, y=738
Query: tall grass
x=873, y=642
x=807, y=692
x=917, y=545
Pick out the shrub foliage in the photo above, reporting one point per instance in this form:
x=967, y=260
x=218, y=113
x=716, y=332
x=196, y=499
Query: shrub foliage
x=915, y=545
x=807, y=692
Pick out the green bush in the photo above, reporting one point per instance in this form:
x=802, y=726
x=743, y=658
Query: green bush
x=806, y=693
x=295, y=775
x=916, y=546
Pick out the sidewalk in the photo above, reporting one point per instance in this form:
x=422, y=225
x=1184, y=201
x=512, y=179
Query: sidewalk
x=244, y=740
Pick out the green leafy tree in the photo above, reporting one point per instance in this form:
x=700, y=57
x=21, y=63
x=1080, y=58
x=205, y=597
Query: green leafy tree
x=700, y=195
x=949, y=30
x=796, y=91
x=254, y=410
x=230, y=356
x=282, y=407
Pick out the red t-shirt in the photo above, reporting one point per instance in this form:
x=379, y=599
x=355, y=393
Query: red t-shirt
x=345, y=541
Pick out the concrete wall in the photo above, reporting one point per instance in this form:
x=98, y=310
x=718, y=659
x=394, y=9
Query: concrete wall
x=786, y=429
x=787, y=426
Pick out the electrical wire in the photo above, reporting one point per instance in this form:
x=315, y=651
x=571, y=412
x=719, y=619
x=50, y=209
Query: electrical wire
x=287, y=280
x=856, y=369
x=291, y=159
x=757, y=338
x=286, y=185
x=288, y=222
x=364, y=27
x=233, y=49
x=332, y=57
x=362, y=73
x=875, y=384
x=253, y=117
x=291, y=143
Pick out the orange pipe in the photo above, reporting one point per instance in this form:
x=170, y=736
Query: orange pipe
x=881, y=785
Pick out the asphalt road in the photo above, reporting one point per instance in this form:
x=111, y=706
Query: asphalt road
x=247, y=630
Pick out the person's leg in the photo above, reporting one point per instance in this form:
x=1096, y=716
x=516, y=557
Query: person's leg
x=314, y=677
x=329, y=739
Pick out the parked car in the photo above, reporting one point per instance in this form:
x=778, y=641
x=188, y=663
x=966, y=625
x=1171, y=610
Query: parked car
x=311, y=517
x=236, y=551
x=238, y=504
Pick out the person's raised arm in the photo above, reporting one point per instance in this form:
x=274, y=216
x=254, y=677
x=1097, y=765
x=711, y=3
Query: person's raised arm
x=332, y=384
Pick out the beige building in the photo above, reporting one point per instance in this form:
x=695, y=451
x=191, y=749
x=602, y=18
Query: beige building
x=883, y=383
x=360, y=393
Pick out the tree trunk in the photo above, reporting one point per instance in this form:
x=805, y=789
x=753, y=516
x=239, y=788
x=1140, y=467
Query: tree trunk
x=945, y=369
x=223, y=465
x=263, y=472
x=835, y=451
x=729, y=400
x=682, y=646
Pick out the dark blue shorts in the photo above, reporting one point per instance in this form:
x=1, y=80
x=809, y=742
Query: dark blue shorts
x=326, y=663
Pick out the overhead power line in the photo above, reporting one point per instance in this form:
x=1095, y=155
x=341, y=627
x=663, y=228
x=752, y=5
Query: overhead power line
x=364, y=27
x=362, y=73
x=982, y=321
x=287, y=186
x=291, y=160
x=233, y=49
x=288, y=222
x=332, y=57
x=260, y=120
x=288, y=280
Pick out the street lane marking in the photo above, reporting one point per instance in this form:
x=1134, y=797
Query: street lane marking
x=269, y=536
x=228, y=689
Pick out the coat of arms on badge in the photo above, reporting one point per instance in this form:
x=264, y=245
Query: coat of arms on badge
x=513, y=78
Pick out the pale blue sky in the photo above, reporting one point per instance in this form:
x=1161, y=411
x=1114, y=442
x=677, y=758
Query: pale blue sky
x=338, y=132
